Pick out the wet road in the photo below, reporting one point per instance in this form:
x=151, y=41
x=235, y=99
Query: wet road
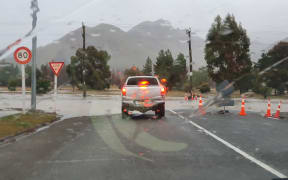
x=144, y=147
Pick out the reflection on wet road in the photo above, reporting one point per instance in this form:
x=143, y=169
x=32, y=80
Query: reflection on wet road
x=109, y=147
x=111, y=128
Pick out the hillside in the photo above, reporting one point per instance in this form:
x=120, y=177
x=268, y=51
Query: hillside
x=126, y=48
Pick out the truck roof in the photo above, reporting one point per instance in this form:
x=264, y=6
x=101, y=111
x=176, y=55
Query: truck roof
x=142, y=77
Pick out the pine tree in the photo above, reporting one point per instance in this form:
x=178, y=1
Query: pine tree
x=179, y=71
x=164, y=66
x=97, y=71
x=147, y=68
x=227, y=52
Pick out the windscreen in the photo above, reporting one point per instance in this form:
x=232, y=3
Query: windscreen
x=142, y=81
x=143, y=89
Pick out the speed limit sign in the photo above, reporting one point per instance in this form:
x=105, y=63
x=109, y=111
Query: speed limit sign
x=22, y=55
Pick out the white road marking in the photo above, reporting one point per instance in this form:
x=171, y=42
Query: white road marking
x=229, y=145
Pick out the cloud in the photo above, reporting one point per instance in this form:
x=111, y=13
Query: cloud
x=255, y=16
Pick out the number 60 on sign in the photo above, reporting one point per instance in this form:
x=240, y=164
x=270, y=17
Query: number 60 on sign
x=22, y=55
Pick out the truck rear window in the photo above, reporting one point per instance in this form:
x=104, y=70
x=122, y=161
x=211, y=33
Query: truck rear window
x=137, y=81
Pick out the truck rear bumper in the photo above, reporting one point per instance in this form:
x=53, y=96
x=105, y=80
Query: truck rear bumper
x=142, y=106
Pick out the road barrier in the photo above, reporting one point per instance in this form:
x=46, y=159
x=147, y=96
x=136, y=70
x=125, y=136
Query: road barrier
x=242, y=112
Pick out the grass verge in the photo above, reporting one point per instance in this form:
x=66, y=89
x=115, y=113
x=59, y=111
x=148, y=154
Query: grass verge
x=18, y=123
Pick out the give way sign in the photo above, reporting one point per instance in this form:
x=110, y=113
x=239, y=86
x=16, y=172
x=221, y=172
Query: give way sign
x=56, y=67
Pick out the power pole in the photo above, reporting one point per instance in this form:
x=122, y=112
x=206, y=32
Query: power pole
x=188, y=32
x=83, y=60
x=35, y=9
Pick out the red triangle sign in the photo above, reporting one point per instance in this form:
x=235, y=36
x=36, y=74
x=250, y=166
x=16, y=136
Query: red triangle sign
x=56, y=67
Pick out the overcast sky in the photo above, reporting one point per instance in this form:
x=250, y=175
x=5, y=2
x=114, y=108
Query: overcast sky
x=264, y=20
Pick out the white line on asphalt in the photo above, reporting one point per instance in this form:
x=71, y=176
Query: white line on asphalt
x=244, y=154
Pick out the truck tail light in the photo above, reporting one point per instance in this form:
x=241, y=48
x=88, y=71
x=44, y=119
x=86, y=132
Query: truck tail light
x=163, y=91
x=123, y=91
x=143, y=83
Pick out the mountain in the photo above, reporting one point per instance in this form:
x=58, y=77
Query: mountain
x=285, y=40
x=257, y=48
x=132, y=47
x=126, y=48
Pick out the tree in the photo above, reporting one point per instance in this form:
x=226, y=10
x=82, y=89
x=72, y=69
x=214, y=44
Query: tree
x=44, y=78
x=204, y=88
x=133, y=71
x=200, y=77
x=96, y=69
x=46, y=72
x=276, y=77
x=147, y=68
x=227, y=52
x=117, y=78
x=72, y=72
x=9, y=72
x=179, y=75
x=259, y=85
x=12, y=84
x=164, y=66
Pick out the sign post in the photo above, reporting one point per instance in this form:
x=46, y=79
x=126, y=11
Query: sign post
x=55, y=85
x=56, y=68
x=23, y=86
x=23, y=56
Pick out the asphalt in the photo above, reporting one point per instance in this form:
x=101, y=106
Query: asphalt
x=145, y=147
x=263, y=138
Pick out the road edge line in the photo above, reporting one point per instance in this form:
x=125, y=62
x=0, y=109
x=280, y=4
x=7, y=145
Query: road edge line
x=239, y=151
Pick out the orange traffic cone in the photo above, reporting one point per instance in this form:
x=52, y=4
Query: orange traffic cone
x=268, y=113
x=242, y=112
x=200, y=102
x=277, y=114
x=201, y=109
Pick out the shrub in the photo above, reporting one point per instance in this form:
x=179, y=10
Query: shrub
x=12, y=84
x=204, y=88
x=43, y=86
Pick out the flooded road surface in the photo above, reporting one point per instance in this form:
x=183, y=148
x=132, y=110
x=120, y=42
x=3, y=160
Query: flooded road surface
x=140, y=147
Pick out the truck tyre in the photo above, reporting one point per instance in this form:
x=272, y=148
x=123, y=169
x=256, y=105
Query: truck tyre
x=160, y=111
x=124, y=114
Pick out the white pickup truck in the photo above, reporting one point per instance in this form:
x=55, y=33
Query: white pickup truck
x=143, y=93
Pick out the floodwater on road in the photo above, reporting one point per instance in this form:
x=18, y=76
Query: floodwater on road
x=68, y=105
